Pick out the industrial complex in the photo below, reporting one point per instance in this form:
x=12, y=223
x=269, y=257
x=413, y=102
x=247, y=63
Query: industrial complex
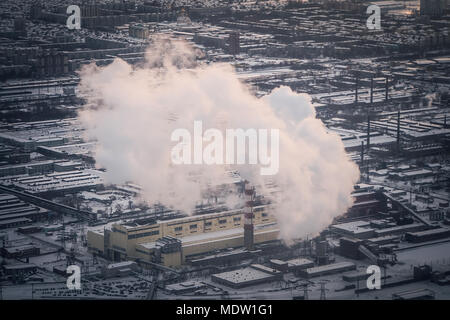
x=384, y=92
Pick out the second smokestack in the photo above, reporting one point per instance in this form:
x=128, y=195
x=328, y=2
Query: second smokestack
x=248, y=216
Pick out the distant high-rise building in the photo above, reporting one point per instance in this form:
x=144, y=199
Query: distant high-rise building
x=432, y=8
x=183, y=18
x=20, y=25
x=36, y=10
x=139, y=31
x=89, y=10
x=233, y=43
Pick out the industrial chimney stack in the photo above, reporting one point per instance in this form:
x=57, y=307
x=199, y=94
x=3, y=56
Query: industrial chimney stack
x=387, y=89
x=368, y=131
x=398, y=131
x=362, y=155
x=249, y=193
x=371, y=91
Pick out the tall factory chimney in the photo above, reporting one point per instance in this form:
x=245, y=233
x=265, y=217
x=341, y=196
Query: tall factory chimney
x=362, y=154
x=233, y=43
x=248, y=216
x=356, y=89
x=398, y=131
x=387, y=88
x=368, y=131
x=371, y=90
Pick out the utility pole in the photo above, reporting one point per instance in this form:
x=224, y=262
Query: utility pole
x=323, y=291
x=63, y=235
x=357, y=287
x=305, y=291
x=410, y=195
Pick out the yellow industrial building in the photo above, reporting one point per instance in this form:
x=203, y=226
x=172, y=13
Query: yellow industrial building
x=171, y=242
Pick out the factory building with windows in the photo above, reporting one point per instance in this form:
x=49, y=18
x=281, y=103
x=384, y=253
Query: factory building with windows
x=172, y=242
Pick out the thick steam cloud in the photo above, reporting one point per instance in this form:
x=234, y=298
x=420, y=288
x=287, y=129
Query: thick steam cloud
x=132, y=111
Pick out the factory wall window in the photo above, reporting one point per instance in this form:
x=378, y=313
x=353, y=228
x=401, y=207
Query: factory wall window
x=145, y=234
x=237, y=219
x=208, y=224
x=222, y=221
x=178, y=228
x=193, y=226
x=142, y=251
x=264, y=215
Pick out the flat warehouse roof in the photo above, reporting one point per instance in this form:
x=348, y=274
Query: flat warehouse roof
x=299, y=262
x=330, y=267
x=243, y=275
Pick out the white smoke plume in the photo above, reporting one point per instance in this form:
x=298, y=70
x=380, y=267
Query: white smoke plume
x=137, y=108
